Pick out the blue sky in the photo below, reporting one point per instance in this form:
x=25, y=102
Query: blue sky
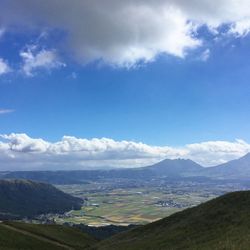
x=169, y=101
x=194, y=91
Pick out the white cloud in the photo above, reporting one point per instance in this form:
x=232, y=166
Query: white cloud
x=34, y=59
x=19, y=151
x=125, y=33
x=212, y=153
x=4, y=67
x=6, y=111
x=241, y=28
x=205, y=55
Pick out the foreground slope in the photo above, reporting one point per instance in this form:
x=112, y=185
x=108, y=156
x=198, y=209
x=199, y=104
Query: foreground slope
x=222, y=223
x=23, y=236
x=20, y=198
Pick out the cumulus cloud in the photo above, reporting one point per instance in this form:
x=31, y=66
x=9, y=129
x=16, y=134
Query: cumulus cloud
x=34, y=59
x=4, y=67
x=125, y=33
x=19, y=151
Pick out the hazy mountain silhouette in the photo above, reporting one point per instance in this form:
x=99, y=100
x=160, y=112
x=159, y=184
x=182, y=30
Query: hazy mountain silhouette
x=177, y=168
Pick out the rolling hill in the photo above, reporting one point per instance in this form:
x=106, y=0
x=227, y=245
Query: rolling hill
x=222, y=223
x=20, y=198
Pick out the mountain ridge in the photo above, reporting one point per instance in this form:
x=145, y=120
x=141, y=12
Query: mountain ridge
x=176, y=168
x=238, y=168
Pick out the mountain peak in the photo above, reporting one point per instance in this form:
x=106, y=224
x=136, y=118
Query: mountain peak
x=176, y=167
x=177, y=159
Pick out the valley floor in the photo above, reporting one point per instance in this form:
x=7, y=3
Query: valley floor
x=120, y=202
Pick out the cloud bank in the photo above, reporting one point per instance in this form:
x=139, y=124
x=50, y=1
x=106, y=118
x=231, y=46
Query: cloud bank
x=21, y=152
x=125, y=33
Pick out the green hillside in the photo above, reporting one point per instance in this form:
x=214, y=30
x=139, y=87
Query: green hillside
x=222, y=223
x=23, y=236
x=20, y=198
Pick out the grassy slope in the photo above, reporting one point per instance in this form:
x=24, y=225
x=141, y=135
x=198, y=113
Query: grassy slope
x=71, y=237
x=222, y=223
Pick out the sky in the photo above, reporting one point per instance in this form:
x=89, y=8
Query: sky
x=95, y=84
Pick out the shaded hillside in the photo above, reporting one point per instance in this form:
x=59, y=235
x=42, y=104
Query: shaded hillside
x=20, y=198
x=222, y=223
x=23, y=236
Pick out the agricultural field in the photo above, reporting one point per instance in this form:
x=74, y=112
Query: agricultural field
x=107, y=205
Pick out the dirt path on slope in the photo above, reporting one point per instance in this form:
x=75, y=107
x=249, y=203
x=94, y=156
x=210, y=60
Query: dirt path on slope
x=54, y=242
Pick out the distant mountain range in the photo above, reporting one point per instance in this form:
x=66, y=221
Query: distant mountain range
x=237, y=169
x=20, y=198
